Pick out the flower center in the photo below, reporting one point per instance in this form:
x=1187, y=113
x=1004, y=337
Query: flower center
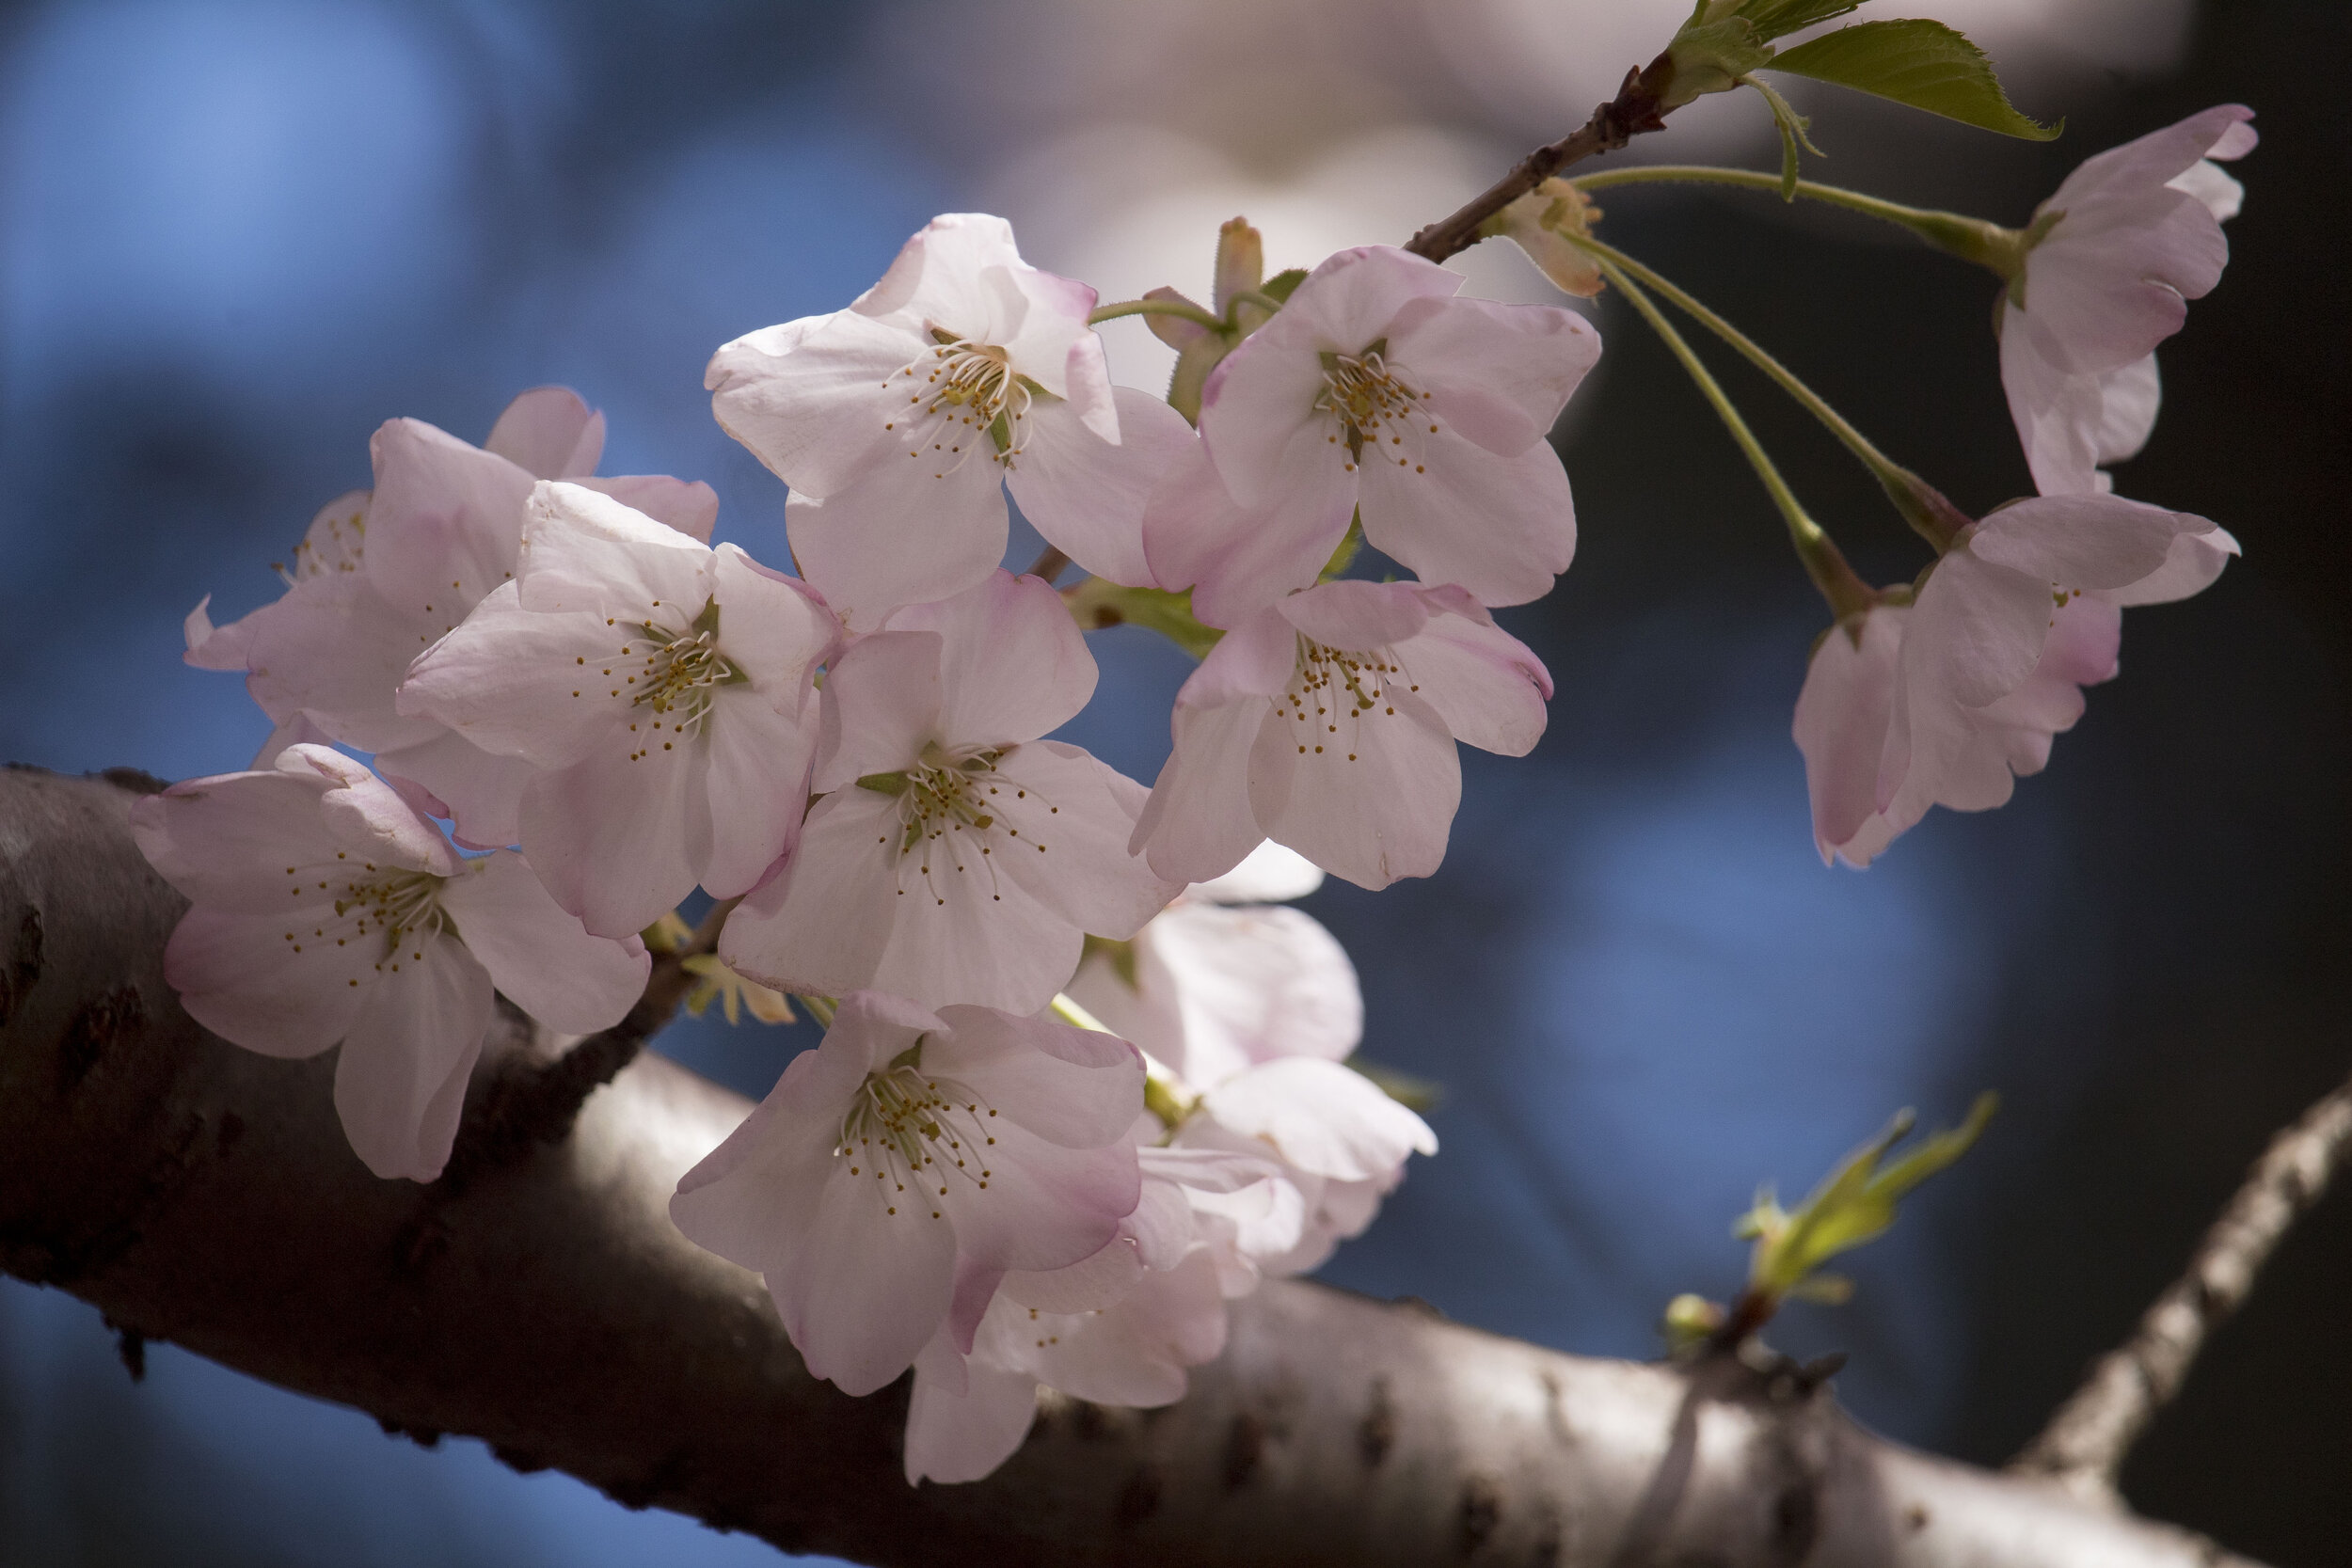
x=958, y=393
x=918, y=1132
x=678, y=673
x=1374, y=404
x=952, y=806
x=1335, y=685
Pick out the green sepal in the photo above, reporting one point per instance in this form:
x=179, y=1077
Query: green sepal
x=1280, y=287
x=1855, y=1204
x=884, y=784
x=1120, y=955
x=1097, y=603
x=1710, y=57
x=1923, y=64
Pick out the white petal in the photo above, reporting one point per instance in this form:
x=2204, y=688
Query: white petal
x=1254, y=984
x=810, y=397
x=542, y=957
x=1076, y=1087
x=444, y=524
x=400, y=1080
x=551, y=432
x=281, y=983
x=757, y=787
x=953, y=1437
x=1070, y=818
x=1012, y=661
x=583, y=551
x=691, y=509
x=905, y=534
x=237, y=842
x=1270, y=874
x=1487, y=686
x=1454, y=513
x=543, y=686
x=619, y=837
x=1086, y=494
x=1841, y=719
x=2189, y=567
x=336, y=649
x=480, y=792
x=1530, y=358
x=1327, y=1120
x=879, y=705
x=1370, y=797
x=867, y=1287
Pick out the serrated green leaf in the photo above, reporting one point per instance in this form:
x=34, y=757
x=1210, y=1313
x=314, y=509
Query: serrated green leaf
x=1279, y=287
x=1773, y=18
x=1710, y=56
x=1923, y=64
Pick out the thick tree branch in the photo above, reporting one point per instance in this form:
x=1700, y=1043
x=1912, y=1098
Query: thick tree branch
x=1634, y=110
x=204, y=1195
x=2084, y=1447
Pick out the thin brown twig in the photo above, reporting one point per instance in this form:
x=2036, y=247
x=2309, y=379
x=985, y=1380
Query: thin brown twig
x=1635, y=109
x=1049, y=564
x=2083, y=1446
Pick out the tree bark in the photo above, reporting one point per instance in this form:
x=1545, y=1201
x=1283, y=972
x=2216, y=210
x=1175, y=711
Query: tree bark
x=203, y=1195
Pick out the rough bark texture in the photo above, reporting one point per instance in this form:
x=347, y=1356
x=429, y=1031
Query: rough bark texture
x=203, y=1195
x=2084, y=1447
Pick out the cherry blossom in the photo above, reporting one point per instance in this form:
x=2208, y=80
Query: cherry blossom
x=382, y=574
x=899, y=421
x=326, y=910
x=1376, y=392
x=1327, y=722
x=1946, y=702
x=896, y=1173
x=1225, y=978
x=954, y=857
x=2112, y=260
x=1118, y=1328
x=660, y=693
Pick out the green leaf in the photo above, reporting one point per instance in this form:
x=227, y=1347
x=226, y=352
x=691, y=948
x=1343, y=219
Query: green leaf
x=1710, y=56
x=1853, y=1205
x=1773, y=18
x=1923, y=64
x=1279, y=287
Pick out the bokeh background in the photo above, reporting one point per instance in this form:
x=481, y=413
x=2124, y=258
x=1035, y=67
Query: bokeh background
x=237, y=234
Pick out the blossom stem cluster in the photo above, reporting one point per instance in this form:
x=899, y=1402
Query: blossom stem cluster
x=1083, y=1077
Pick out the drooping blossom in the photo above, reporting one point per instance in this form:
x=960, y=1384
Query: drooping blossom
x=1327, y=722
x=1947, y=701
x=896, y=1173
x=659, y=691
x=1251, y=1009
x=1376, y=391
x=954, y=857
x=1118, y=1328
x=326, y=910
x=383, y=574
x=2112, y=260
x=899, y=423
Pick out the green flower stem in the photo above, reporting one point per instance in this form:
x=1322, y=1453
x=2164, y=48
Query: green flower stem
x=1986, y=244
x=1845, y=591
x=1922, y=506
x=819, y=1007
x=1155, y=307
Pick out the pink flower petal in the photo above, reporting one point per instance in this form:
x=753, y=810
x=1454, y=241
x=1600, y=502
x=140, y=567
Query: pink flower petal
x=400, y=1082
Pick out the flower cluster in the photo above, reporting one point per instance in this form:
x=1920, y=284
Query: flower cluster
x=1941, y=694
x=1085, y=1074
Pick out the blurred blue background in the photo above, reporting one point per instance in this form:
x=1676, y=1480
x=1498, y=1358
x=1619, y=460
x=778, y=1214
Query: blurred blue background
x=235, y=235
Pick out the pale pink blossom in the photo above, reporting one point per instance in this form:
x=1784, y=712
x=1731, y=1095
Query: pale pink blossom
x=1225, y=978
x=899, y=423
x=326, y=910
x=2113, y=258
x=1376, y=392
x=1249, y=1012
x=899, y=1171
x=1947, y=701
x=1118, y=1328
x=955, y=856
x=1327, y=722
x=660, y=694
x=383, y=574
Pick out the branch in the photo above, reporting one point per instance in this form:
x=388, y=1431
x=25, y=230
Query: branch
x=1634, y=110
x=2085, y=1444
x=204, y=1195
